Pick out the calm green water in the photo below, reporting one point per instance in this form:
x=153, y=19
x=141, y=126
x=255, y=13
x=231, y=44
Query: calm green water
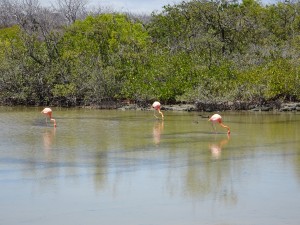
x=127, y=168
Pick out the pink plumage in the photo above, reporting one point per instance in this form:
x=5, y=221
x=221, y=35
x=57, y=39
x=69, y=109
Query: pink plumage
x=156, y=105
x=47, y=110
x=216, y=118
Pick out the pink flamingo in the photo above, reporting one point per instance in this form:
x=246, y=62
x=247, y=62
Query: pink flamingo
x=216, y=118
x=156, y=105
x=48, y=113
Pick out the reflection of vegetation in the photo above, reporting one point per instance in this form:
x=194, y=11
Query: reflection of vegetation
x=212, y=180
x=196, y=50
x=213, y=177
x=105, y=146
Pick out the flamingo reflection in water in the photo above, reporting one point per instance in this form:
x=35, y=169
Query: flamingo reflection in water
x=217, y=146
x=157, y=130
x=48, y=138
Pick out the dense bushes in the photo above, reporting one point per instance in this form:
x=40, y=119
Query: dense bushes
x=195, y=51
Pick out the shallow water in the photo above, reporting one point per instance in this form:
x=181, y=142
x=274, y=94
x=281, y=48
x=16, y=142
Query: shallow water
x=126, y=167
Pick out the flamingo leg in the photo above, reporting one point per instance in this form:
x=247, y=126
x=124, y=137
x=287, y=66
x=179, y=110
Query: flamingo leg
x=155, y=114
x=214, y=127
x=162, y=115
x=54, y=122
x=223, y=125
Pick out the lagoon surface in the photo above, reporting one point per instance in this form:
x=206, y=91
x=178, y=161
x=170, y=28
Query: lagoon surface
x=128, y=168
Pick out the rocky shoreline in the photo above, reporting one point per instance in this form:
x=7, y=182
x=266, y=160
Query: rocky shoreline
x=209, y=106
x=237, y=106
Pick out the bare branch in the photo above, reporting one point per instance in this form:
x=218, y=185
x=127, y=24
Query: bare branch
x=72, y=9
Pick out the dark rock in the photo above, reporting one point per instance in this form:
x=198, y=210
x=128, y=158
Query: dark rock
x=265, y=108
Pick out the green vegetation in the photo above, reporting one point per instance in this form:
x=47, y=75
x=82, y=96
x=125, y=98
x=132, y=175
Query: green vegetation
x=206, y=51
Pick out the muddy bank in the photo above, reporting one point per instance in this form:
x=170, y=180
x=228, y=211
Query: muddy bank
x=267, y=106
x=206, y=106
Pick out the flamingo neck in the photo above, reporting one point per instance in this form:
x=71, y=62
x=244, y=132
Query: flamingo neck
x=225, y=126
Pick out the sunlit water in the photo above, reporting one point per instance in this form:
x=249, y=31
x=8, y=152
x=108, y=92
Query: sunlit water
x=128, y=168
